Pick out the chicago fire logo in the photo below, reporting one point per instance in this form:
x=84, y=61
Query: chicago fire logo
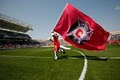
x=80, y=32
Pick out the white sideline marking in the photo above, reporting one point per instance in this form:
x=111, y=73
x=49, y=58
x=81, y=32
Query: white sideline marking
x=82, y=76
x=9, y=56
x=111, y=57
x=50, y=57
x=114, y=58
x=24, y=56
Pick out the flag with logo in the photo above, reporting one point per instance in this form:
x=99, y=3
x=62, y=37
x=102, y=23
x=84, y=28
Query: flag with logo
x=80, y=30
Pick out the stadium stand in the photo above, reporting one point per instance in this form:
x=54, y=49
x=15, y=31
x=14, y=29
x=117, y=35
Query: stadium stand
x=13, y=33
x=7, y=34
x=115, y=37
x=12, y=24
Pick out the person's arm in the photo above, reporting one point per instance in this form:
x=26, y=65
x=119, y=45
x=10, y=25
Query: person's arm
x=51, y=39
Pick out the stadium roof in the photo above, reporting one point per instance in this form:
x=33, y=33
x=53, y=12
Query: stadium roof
x=115, y=32
x=10, y=23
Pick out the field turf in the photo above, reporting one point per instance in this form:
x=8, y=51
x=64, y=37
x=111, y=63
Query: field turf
x=38, y=64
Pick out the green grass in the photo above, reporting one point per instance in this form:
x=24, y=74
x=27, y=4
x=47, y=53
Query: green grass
x=103, y=70
x=33, y=68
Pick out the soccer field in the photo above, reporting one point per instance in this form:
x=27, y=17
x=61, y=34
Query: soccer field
x=38, y=64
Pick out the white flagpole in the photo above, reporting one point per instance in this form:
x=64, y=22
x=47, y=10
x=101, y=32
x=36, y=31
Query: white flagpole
x=60, y=15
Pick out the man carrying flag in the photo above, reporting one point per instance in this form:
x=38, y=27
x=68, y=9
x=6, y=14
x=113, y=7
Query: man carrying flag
x=80, y=30
x=57, y=46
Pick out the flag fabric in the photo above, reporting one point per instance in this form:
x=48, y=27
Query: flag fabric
x=80, y=30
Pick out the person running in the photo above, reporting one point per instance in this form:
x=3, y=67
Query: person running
x=57, y=48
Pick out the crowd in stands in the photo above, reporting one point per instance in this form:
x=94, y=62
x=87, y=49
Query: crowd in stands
x=12, y=40
x=18, y=44
x=115, y=39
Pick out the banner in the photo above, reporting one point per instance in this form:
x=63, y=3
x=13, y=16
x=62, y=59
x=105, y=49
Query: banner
x=80, y=30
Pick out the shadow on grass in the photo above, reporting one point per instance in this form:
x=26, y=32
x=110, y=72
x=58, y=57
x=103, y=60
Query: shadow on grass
x=81, y=57
x=97, y=58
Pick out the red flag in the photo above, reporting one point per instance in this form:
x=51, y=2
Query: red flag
x=80, y=30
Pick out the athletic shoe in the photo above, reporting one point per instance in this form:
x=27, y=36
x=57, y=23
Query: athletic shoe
x=56, y=57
